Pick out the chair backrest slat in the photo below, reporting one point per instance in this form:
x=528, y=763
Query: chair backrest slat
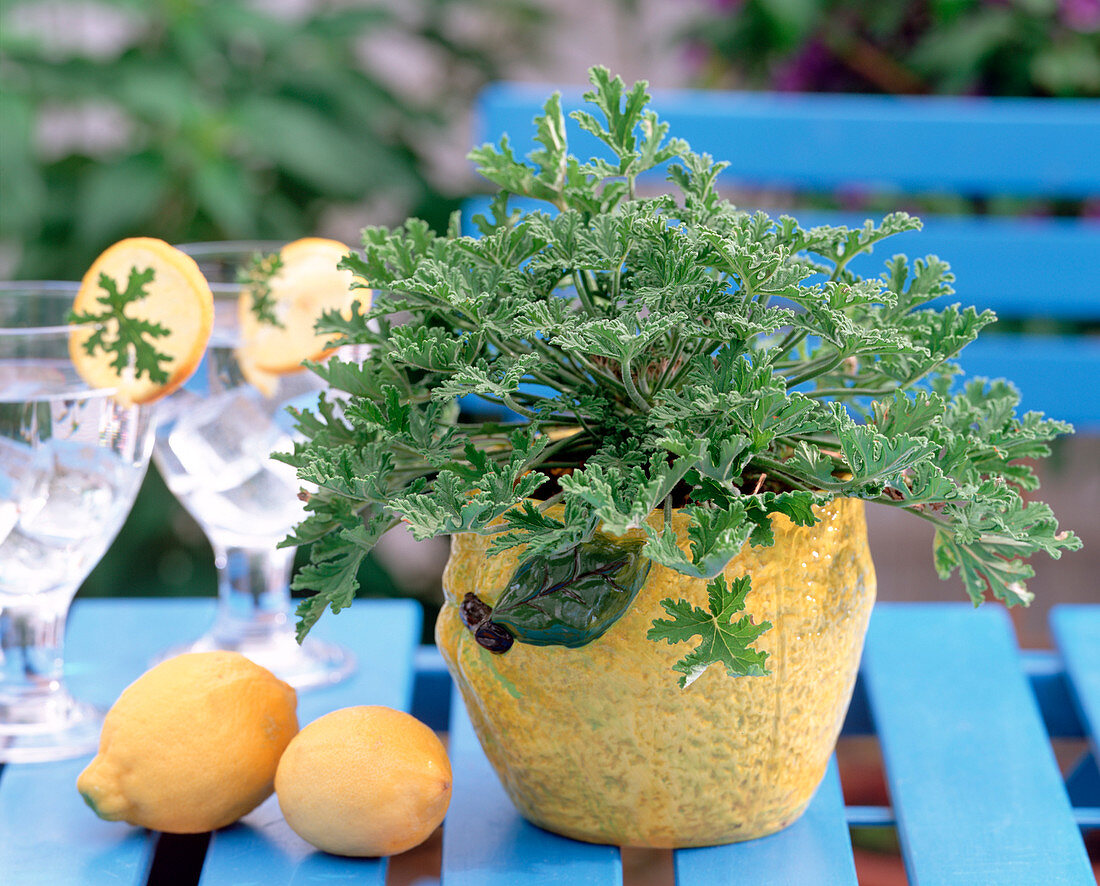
x=822, y=142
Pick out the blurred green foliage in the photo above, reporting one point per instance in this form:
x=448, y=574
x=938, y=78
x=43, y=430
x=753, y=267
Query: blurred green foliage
x=216, y=119
x=195, y=120
x=990, y=47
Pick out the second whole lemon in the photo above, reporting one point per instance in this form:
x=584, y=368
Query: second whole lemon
x=191, y=745
x=364, y=781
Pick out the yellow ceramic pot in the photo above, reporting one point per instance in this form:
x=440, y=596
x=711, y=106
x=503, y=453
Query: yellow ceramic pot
x=600, y=743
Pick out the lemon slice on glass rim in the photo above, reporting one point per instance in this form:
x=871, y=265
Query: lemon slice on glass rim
x=176, y=297
x=306, y=285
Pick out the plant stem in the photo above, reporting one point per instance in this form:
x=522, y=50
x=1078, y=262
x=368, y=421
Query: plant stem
x=674, y=355
x=583, y=294
x=599, y=373
x=550, y=502
x=791, y=340
x=818, y=367
x=632, y=390
x=847, y=392
x=515, y=407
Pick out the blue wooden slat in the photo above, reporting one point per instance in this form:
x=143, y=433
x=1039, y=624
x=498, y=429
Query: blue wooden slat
x=970, y=145
x=1048, y=681
x=49, y=834
x=815, y=849
x=487, y=843
x=49, y=838
x=262, y=849
x=1076, y=632
x=1055, y=374
x=432, y=689
x=870, y=816
x=975, y=787
x=1046, y=676
x=995, y=260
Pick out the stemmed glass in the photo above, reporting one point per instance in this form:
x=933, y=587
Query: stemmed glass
x=71, y=461
x=215, y=437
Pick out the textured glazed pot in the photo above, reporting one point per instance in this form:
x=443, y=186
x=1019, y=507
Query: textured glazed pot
x=600, y=743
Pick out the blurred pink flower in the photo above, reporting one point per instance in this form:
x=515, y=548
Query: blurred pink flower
x=805, y=71
x=1080, y=15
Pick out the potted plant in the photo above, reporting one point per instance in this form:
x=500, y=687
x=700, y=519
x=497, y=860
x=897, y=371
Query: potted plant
x=659, y=580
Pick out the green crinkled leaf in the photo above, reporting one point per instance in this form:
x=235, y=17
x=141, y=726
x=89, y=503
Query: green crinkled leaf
x=715, y=535
x=544, y=536
x=331, y=572
x=722, y=640
x=989, y=539
x=500, y=380
x=812, y=466
x=904, y=413
x=872, y=457
x=796, y=506
x=622, y=500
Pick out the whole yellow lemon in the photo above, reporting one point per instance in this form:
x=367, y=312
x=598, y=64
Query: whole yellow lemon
x=191, y=745
x=364, y=781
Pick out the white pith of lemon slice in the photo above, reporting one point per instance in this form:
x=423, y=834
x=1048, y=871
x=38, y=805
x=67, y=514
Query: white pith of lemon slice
x=178, y=298
x=307, y=285
x=267, y=383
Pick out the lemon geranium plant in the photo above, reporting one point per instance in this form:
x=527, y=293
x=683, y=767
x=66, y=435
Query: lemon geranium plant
x=653, y=352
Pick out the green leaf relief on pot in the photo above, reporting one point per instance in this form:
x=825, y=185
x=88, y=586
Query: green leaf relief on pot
x=571, y=598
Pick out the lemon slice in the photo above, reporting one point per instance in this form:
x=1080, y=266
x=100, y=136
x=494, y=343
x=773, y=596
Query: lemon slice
x=307, y=285
x=178, y=298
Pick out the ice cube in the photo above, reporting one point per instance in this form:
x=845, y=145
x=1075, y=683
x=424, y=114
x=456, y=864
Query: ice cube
x=224, y=440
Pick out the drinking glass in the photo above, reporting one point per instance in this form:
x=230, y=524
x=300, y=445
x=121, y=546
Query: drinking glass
x=71, y=461
x=215, y=437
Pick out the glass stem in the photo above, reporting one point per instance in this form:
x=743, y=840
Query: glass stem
x=32, y=660
x=253, y=594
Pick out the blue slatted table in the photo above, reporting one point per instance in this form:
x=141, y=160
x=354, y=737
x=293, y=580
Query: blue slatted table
x=963, y=719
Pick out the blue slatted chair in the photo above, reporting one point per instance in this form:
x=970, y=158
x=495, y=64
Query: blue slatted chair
x=1028, y=270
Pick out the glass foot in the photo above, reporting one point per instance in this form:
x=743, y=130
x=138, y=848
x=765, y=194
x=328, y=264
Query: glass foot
x=314, y=663
x=71, y=730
